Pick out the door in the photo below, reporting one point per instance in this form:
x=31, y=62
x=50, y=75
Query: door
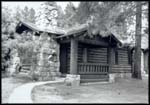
x=63, y=58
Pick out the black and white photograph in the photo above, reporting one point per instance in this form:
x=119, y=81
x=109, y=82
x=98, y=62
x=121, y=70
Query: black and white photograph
x=74, y=52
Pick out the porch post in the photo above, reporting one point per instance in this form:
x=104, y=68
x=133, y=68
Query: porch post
x=73, y=56
x=111, y=56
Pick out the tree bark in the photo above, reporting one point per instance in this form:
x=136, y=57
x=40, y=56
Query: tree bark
x=137, y=58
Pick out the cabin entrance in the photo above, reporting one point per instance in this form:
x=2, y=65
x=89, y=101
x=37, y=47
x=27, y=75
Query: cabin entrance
x=92, y=61
x=64, y=58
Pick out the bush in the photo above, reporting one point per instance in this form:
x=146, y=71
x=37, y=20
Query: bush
x=25, y=51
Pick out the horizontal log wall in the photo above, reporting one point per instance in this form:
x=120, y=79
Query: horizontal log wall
x=121, y=69
x=123, y=65
x=94, y=55
x=123, y=56
x=97, y=55
x=80, y=55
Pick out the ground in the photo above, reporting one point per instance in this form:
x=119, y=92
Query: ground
x=122, y=91
x=10, y=83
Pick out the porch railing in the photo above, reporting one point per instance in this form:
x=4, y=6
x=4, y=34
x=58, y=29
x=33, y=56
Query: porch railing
x=93, y=68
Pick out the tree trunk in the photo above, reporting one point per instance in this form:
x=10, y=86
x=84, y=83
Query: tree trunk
x=137, y=58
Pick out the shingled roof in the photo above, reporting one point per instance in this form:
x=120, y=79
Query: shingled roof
x=82, y=28
x=73, y=30
x=62, y=32
x=35, y=28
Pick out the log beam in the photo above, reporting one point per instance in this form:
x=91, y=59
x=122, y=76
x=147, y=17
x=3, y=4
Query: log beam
x=73, y=56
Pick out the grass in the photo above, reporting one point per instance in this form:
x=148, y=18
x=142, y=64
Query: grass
x=122, y=91
x=10, y=83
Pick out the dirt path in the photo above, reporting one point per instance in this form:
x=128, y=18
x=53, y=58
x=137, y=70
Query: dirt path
x=9, y=84
x=22, y=94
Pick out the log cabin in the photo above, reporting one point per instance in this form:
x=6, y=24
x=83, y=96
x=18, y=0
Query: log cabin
x=94, y=57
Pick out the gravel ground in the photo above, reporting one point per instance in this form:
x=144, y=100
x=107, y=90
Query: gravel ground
x=122, y=91
x=10, y=83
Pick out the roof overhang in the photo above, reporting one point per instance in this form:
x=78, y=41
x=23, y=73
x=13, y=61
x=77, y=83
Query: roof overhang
x=34, y=28
x=83, y=30
x=63, y=33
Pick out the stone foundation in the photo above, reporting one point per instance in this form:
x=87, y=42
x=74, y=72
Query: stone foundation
x=114, y=76
x=72, y=80
x=111, y=78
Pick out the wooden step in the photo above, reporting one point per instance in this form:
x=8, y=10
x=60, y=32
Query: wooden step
x=95, y=80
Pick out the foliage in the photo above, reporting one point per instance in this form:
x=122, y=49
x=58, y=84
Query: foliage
x=102, y=17
x=25, y=51
x=27, y=14
x=7, y=32
x=10, y=40
x=105, y=17
x=69, y=16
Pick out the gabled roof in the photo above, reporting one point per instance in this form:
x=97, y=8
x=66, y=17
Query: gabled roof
x=82, y=28
x=73, y=30
x=63, y=32
x=33, y=27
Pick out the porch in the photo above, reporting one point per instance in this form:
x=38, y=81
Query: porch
x=92, y=57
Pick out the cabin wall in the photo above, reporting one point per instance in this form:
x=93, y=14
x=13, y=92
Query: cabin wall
x=123, y=56
x=94, y=66
x=100, y=55
x=94, y=55
x=80, y=56
x=122, y=64
x=122, y=67
x=92, y=63
x=97, y=55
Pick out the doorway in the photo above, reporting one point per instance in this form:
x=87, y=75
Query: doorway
x=64, y=58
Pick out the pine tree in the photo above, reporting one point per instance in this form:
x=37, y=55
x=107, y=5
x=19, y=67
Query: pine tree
x=137, y=64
